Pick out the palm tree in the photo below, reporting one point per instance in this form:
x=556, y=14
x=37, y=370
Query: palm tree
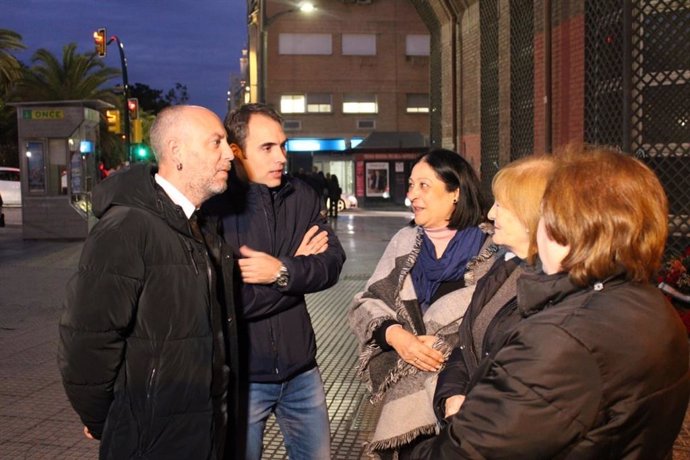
x=10, y=72
x=10, y=68
x=78, y=76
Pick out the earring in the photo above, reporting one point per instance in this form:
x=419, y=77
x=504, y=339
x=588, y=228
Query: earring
x=179, y=166
x=455, y=201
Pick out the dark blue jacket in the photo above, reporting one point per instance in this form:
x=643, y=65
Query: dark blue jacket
x=275, y=328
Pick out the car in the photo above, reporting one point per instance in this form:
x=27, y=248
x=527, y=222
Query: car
x=346, y=201
x=9, y=186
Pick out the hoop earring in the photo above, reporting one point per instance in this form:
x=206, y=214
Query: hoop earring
x=179, y=166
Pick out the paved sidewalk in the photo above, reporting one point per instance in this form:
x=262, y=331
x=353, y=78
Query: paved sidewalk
x=36, y=421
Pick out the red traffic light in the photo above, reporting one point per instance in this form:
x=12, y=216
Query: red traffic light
x=133, y=108
x=100, y=41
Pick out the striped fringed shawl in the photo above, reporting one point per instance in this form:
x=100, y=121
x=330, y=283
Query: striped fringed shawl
x=406, y=392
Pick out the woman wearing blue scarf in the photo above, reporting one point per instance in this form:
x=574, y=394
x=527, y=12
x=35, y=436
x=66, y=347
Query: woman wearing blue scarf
x=407, y=318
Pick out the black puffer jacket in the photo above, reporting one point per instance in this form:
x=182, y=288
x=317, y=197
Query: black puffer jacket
x=598, y=372
x=500, y=297
x=276, y=330
x=141, y=352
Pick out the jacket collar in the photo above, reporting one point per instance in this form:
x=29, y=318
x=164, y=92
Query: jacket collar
x=537, y=290
x=240, y=183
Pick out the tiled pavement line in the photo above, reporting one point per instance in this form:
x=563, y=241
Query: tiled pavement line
x=350, y=413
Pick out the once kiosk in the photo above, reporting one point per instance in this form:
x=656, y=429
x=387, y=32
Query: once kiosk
x=58, y=150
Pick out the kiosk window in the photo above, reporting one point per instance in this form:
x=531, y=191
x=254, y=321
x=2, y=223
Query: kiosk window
x=35, y=167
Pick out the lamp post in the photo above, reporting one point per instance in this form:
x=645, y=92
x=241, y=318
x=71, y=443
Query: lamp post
x=125, y=90
x=264, y=22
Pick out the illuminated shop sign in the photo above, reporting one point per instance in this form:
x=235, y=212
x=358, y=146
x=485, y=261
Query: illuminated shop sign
x=313, y=144
x=43, y=114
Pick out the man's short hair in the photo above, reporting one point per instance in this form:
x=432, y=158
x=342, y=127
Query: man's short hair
x=611, y=210
x=164, y=122
x=236, y=121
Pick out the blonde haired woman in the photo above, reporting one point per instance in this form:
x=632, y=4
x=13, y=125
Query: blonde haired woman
x=518, y=189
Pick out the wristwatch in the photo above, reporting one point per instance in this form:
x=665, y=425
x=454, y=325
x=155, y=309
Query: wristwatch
x=282, y=277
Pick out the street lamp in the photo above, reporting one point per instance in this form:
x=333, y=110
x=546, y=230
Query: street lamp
x=99, y=39
x=264, y=23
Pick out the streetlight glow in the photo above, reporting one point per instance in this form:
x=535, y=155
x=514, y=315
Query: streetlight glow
x=262, y=28
x=307, y=7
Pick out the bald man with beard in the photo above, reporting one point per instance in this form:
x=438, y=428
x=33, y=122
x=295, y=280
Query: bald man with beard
x=147, y=337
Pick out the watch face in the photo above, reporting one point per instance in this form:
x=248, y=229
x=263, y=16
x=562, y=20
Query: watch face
x=283, y=277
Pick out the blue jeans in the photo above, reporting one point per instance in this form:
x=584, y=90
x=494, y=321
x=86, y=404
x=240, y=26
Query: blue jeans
x=300, y=409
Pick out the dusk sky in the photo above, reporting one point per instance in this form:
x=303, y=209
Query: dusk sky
x=195, y=42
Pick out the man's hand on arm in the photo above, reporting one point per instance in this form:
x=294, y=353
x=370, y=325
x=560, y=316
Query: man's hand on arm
x=314, y=242
x=258, y=267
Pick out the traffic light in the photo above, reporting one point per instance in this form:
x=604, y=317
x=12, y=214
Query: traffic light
x=133, y=108
x=142, y=152
x=137, y=132
x=113, y=117
x=100, y=41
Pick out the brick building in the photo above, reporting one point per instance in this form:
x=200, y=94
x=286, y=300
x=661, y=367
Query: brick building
x=510, y=77
x=338, y=74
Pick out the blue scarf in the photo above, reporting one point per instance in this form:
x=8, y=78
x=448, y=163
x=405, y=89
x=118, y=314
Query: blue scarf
x=429, y=272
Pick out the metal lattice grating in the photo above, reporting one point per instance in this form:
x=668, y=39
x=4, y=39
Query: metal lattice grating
x=637, y=96
x=661, y=103
x=604, y=72
x=521, y=78
x=488, y=19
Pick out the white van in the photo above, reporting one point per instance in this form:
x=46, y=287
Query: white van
x=9, y=186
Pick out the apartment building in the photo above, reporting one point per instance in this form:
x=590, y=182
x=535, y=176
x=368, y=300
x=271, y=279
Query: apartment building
x=339, y=73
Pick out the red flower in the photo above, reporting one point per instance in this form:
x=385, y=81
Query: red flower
x=676, y=272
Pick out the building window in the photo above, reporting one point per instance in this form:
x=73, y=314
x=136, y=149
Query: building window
x=418, y=45
x=319, y=103
x=360, y=103
x=292, y=125
x=359, y=45
x=292, y=103
x=417, y=103
x=305, y=44
x=366, y=124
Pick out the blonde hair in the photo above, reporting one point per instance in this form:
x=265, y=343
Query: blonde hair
x=611, y=210
x=519, y=187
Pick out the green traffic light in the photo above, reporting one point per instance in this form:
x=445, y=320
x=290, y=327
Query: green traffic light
x=141, y=152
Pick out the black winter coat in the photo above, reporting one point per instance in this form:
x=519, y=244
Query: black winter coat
x=464, y=359
x=275, y=329
x=142, y=352
x=589, y=373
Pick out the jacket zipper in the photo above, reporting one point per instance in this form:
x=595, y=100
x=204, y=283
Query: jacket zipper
x=272, y=231
x=144, y=432
x=190, y=248
x=275, y=350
